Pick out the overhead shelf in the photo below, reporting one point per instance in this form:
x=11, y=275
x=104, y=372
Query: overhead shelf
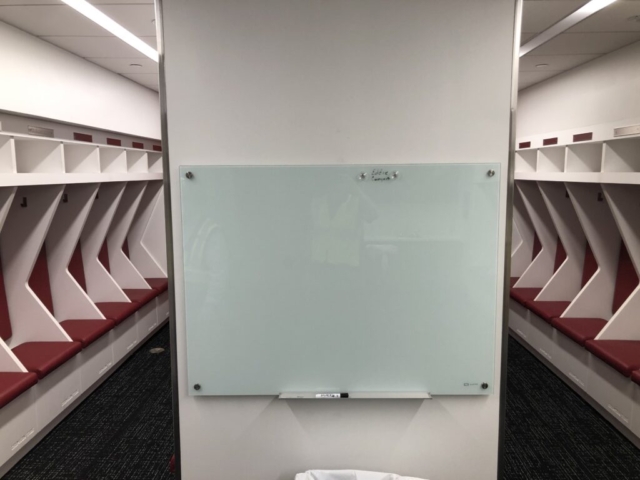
x=611, y=161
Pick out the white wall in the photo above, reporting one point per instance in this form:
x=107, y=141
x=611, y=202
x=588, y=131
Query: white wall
x=603, y=91
x=336, y=82
x=39, y=79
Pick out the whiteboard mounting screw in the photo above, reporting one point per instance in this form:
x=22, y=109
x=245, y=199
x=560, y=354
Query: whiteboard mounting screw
x=362, y=176
x=196, y=386
x=491, y=173
x=485, y=386
x=395, y=175
x=189, y=175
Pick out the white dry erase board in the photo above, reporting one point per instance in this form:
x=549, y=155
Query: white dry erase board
x=340, y=278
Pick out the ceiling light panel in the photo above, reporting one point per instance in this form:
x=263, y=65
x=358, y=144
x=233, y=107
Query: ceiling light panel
x=95, y=15
x=566, y=23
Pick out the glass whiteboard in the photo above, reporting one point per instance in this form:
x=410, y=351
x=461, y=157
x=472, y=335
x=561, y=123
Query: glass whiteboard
x=340, y=278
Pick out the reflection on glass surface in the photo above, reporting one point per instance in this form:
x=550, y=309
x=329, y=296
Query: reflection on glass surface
x=314, y=279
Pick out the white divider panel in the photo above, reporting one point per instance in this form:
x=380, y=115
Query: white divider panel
x=599, y=227
x=8, y=361
x=122, y=270
x=585, y=157
x=7, y=195
x=101, y=286
x=20, y=241
x=70, y=301
x=138, y=252
x=522, y=255
x=35, y=155
x=622, y=156
x=526, y=160
x=112, y=159
x=137, y=161
x=541, y=269
x=565, y=283
x=623, y=200
x=154, y=239
x=7, y=154
x=551, y=159
x=155, y=162
x=80, y=158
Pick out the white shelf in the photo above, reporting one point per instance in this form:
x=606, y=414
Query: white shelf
x=24, y=179
x=551, y=159
x=35, y=155
x=614, y=161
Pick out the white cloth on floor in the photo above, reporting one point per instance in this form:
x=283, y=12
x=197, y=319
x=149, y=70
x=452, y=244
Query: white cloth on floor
x=348, y=475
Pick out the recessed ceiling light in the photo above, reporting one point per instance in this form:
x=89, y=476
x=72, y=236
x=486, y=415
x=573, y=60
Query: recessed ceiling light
x=95, y=15
x=542, y=65
x=135, y=65
x=566, y=23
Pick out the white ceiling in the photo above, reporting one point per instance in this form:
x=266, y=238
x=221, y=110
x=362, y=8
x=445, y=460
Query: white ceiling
x=59, y=24
x=604, y=32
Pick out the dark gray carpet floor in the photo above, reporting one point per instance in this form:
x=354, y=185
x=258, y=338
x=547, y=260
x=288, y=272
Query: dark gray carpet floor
x=124, y=431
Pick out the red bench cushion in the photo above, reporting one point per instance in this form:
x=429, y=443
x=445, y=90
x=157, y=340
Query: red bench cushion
x=42, y=358
x=12, y=384
x=547, y=310
x=117, y=311
x=523, y=295
x=141, y=296
x=635, y=376
x=87, y=331
x=162, y=284
x=579, y=329
x=623, y=355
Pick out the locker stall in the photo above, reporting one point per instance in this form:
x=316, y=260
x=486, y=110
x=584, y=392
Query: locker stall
x=575, y=290
x=83, y=277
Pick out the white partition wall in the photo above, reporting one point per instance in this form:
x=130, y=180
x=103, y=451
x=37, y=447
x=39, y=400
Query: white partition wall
x=335, y=82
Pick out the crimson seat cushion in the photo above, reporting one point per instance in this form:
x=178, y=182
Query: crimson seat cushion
x=12, y=384
x=42, y=358
x=162, y=284
x=524, y=295
x=635, y=376
x=579, y=329
x=623, y=355
x=87, y=331
x=118, y=311
x=547, y=310
x=141, y=296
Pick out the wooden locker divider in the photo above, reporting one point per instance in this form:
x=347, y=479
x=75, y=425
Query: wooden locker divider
x=70, y=301
x=522, y=256
x=623, y=200
x=600, y=229
x=540, y=270
x=565, y=283
x=122, y=270
x=154, y=243
x=21, y=239
x=101, y=286
x=139, y=254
